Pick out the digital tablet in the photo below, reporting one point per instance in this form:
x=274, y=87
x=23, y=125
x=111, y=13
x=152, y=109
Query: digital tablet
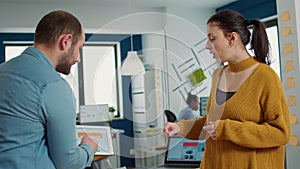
x=102, y=134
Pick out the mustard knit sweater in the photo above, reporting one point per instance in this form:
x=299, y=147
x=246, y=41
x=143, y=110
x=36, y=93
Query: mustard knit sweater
x=253, y=127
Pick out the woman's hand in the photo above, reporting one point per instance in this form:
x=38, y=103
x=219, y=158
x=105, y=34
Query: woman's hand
x=211, y=129
x=171, y=129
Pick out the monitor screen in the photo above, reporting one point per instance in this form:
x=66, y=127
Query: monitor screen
x=185, y=150
x=203, y=102
x=93, y=113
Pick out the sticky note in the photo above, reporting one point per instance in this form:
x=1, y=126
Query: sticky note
x=197, y=77
x=289, y=66
x=285, y=16
x=294, y=140
x=286, y=31
x=288, y=48
x=293, y=118
x=292, y=100
x=290, y=82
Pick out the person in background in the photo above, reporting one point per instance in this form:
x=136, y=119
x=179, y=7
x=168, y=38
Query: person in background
x=37, y=106
x=247, y=121
x=193, y=105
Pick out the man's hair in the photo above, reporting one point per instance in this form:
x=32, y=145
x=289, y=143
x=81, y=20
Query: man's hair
x=55, y=24
x=190, y=98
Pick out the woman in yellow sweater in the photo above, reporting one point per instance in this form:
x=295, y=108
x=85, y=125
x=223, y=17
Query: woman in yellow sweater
x=247, y=120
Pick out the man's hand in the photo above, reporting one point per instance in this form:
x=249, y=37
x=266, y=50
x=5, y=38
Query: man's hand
x=87, y=140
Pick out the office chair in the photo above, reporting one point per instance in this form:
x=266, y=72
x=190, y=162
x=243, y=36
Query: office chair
x=170, y=116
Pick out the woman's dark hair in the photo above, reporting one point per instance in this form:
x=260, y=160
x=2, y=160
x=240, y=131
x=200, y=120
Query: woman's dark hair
x=55, y=24
x=190, y=98
x=231, y=21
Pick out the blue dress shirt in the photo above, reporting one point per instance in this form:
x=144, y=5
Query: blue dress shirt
x=38, y=117
x=186, y=114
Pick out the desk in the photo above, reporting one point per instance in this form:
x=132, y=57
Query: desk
x=114, y=161
x=98, y=158
x=149, y=157
x=116, y=144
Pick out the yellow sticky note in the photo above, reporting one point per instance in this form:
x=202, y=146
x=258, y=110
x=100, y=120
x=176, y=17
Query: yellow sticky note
x=286, y=31
x=294, y=140
x=292, y=100
x=290, y=82
x=288, y=48
x=197, y=77
x=289, y=66
x=293, y=118
x=285, y=16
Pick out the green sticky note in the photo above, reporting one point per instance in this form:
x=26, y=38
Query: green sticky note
x=197, y=77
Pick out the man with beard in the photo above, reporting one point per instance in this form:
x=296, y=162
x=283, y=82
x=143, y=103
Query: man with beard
x=37, y=106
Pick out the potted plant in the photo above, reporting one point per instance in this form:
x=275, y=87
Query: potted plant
x=111, y=111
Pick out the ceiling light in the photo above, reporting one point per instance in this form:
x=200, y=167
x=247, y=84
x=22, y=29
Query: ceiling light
x=132, y=65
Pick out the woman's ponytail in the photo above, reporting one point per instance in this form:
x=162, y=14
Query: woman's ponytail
x=259, y=42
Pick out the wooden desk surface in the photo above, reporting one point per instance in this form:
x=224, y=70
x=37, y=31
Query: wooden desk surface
x=99, y=157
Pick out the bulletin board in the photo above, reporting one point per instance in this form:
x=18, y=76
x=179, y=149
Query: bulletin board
x=289, y=53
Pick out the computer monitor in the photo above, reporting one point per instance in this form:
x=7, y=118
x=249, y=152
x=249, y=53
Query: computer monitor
x=184, y=151
x=203, y=103
x=94, y=113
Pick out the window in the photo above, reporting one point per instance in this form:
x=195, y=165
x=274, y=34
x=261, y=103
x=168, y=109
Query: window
x=95, y=80
x=13, y=50
x=101, y=83
x=272, y=32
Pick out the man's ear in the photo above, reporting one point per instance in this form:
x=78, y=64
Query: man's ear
x=65, y=41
